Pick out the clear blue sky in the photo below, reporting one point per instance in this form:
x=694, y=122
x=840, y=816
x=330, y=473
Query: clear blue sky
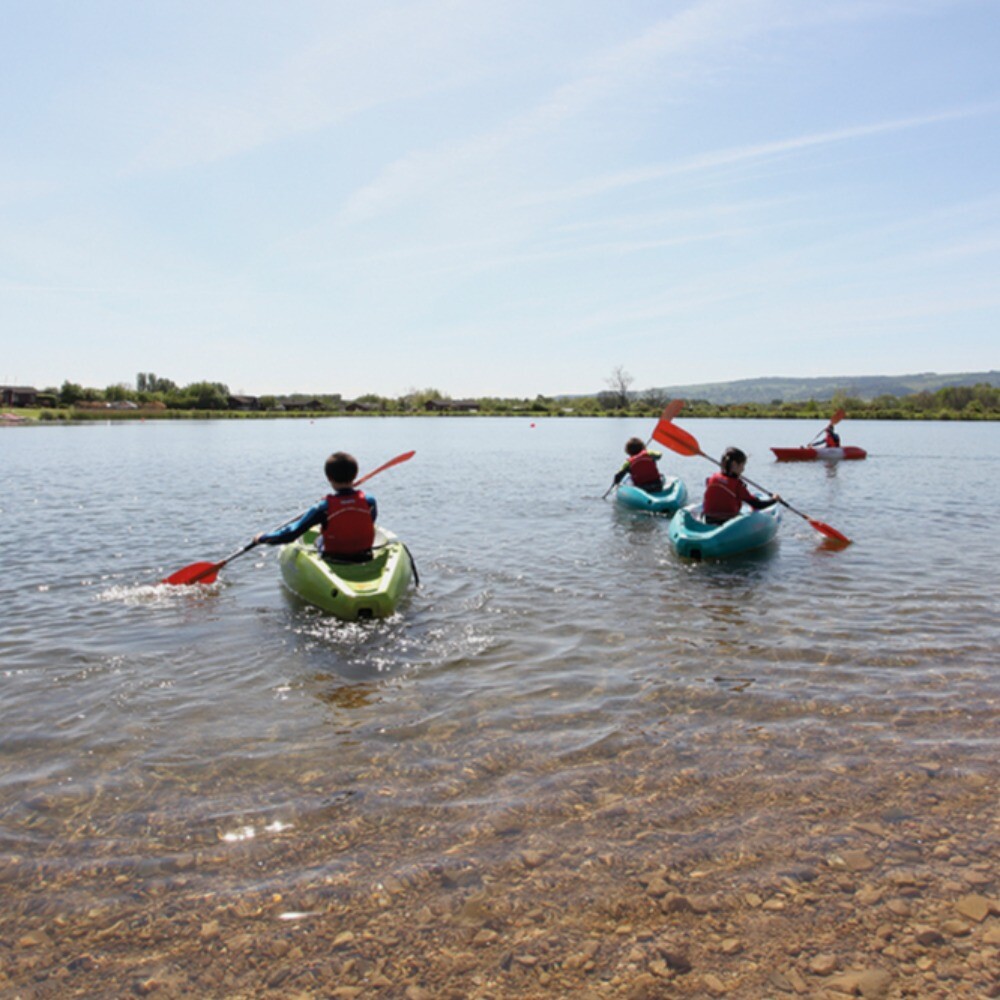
x=497, y=198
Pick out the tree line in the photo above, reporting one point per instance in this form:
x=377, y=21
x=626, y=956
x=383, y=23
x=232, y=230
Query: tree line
x=976, y=402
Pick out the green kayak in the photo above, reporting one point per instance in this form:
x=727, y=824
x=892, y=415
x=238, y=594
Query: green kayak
x=348, y=590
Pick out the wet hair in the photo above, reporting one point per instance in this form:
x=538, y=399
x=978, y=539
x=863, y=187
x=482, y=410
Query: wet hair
x=341, y=467
x=731, y=457
x=634, y=445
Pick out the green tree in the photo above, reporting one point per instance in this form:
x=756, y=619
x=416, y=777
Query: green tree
x=118, y=393
x=202, y=396
x=70, y=393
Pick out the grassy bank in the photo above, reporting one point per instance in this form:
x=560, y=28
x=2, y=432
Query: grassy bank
x=691, y=411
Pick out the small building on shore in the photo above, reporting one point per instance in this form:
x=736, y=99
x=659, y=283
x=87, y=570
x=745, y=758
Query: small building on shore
x=451, y=406
x=18, y=395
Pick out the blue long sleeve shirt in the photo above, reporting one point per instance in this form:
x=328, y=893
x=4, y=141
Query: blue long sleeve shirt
x=315, y=515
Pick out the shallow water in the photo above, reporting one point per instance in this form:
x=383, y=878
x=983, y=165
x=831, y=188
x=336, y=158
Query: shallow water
x=554, y=637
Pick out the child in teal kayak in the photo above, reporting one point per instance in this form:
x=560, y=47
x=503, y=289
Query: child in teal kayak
x=641, y=466
x=725, y=492
x=346, y=516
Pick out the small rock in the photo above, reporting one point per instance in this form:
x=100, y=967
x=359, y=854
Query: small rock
x=798, y=983
x=875, y=829
x=676, y=959
x=644, y=987
x=209, y=930
x=900, y=907
x=657, y=888
x=675, y=904
x=343, y=939
x=823, y=965
x=704, y=904
x=956, y=928
x=872, y=984
x=974, y=906
x=33, y=939
x=714, y=984
x=857, y=861
x=928, y=937
x=781, y=982
x=731, y=946
x=868, y=895
x=532, y=859
x=978, y=878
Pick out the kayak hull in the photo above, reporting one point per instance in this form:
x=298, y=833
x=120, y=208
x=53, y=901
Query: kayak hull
x=692, y=538
x=819, y=454
x=672, y=497
x=349, y=591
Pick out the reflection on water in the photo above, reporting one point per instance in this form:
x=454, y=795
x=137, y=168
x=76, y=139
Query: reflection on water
x=559, y=684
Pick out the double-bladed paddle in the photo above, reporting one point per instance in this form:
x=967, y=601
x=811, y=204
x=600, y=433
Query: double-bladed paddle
x=679, y=440
x=206, y=572
x=834, y=420
x=669, y=412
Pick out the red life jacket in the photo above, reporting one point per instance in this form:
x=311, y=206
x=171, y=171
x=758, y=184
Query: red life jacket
x=642, y=468
x=832, y=439
x=723, y=496
x=349, y=529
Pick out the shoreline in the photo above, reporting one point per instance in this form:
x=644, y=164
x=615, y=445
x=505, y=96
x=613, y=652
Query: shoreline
x=634, y=881
x=33, y=417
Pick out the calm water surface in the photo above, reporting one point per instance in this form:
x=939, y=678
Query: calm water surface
x=552, y=630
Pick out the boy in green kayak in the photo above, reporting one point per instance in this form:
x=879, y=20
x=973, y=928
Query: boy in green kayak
x=346, y=516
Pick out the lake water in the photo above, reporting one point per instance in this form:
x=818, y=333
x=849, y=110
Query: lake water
x=557, y=664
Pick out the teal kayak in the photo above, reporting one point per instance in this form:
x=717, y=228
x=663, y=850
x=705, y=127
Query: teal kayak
x=692, y=538
x=348, y=590
x=673, y=496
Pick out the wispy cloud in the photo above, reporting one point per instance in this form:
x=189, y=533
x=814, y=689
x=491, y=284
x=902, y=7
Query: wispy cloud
x=345, y=68
x=754, y=153
x=704, y=27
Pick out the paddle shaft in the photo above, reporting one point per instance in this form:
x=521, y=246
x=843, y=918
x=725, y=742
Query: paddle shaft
x=215, y=567
x=684, y=443
x=206, y=572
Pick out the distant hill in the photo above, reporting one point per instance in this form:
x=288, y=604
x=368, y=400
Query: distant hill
x=798, y=390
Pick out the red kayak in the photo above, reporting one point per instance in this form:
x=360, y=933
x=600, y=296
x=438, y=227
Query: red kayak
x=818, y=454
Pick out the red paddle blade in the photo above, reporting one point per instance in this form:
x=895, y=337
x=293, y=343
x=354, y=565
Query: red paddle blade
x=199, y=572
x=837, y=417
x=827, y=531
x=675, y=439
x=405, y=457
x=669, y=412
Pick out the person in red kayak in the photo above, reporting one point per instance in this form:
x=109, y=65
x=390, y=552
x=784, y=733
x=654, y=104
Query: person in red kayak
x=725, y=492
x=346, y=516
x=830, y=438
x=641, y=466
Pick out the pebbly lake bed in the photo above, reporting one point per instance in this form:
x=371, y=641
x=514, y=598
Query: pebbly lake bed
x=571, y=763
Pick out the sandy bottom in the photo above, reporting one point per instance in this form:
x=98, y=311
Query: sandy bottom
x=634, y=876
